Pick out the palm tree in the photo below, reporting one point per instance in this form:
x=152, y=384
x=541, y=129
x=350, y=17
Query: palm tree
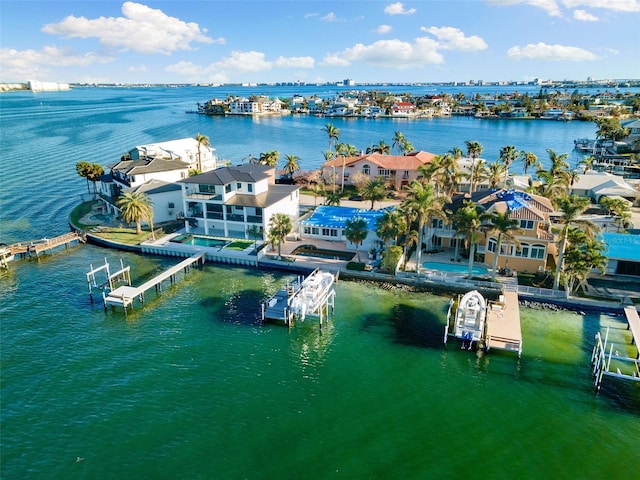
x=398, y=141
x=333, y=133
x=279, y=227
x=356, y=232
x=202, y=140
x=504, y=227
x=269, y=158
x=457, y=153
x=136, y=207
x=530, y=160
x=422, y=200
x=94, y=172
x=587, y=161
x=374, y=191
x=468, y=221
x=571, y=207
x=381, y=148
x=333, y=198
x=479, y=172
x=583, y=254
x=83, y=168
x=474, y=150
x=508, y=155
x=497, y=173
x=389, y=226
x=291, y=166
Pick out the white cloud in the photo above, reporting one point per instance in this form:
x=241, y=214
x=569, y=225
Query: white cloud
x=584, y=16
x=398, y=9
x=142, y=29
x=137, y=68
x=616, y=5
x=330, y=17
x=237, y=63
x=19, y=65
x=295, y=62
x=382, y=29
x=389, y=53
x=550, y=6
x=542, y=51
x=450, y=38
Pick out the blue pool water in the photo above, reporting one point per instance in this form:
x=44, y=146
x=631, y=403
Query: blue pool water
x=199, y=240
x=454, y=268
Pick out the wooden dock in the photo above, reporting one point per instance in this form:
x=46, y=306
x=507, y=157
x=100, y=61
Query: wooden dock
x=125, y=295
x=44, y=245
x=633, y=324
x=503, y=324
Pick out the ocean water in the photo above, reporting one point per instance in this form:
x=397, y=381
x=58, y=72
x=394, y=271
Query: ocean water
x=192, y=385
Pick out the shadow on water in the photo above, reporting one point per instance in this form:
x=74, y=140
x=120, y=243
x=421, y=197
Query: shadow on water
x=241, y=307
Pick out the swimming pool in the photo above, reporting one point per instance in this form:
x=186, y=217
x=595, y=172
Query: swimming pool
x=461, y=268
x=199, y=240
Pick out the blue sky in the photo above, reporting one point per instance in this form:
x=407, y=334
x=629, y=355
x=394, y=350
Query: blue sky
x=211, y=41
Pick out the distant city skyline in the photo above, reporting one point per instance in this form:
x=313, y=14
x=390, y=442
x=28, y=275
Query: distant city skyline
x=250, y=42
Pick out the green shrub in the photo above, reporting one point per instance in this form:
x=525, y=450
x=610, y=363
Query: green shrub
x=358, y=266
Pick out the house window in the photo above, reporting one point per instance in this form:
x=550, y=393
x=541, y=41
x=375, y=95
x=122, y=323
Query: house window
x=383, y=172
x=526, y=224
x=523, y=251
x=366, y=170
x=437, y=223
x=171, y=205
x=207, y=188
x=238, y=186
x=250, y=187
x=227, y=188
x=491, y=245
x=538, y=251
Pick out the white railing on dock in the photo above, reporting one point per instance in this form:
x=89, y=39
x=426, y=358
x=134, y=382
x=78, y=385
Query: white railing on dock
x=601, y=362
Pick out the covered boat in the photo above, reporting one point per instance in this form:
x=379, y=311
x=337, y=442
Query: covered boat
x=466, y=319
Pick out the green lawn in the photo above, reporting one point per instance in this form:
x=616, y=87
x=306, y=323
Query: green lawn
x=239, y=245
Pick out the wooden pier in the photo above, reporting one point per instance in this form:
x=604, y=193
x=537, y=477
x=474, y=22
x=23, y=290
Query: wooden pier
x=44, y=245
x=125, y=295
x=503, y=324
x=601, y=359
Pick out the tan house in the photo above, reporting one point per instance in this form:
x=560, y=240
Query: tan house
x=399, y=169
x=531, y=211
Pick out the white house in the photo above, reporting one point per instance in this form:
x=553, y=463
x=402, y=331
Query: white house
x=596, y=185
x=229, y=201
x=200, y=157
x=165, y=198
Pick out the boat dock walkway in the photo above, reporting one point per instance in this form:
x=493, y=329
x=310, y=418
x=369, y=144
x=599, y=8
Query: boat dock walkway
x=125, y=295
x=44, y=245
x=503, y=324
x=601, y=359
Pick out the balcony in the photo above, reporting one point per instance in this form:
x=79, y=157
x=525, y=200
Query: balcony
x=235, y=218
x=215, y=215
x=254, y=219
x=204, y=196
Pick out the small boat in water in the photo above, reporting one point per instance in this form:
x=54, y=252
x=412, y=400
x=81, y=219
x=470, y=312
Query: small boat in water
x=466, y=319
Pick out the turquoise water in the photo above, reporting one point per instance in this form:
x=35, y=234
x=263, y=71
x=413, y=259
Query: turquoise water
x=454, y=268
x=200, y=240
x=193, y=386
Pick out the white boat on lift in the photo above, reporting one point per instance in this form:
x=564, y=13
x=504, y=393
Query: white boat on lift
x=313, y=294
x=469, y=317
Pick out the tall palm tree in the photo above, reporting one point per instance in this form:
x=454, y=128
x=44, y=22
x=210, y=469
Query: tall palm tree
x=497, y=174
x=356, y=232
x=398, y=141
x=136, y=207
x=83, y=168
x=94, y=172
x=468, y=222
x=587, y=161
x=457, y=153
x=478, y=173
x=504, y=228
x=333, y=133
x=291, y=165
x=422, y=199
x=381, y=148
x=583, y=254
x=530, y=160
x=571, y=207
x=389, y=226
x=279, y=227
x=374, y=191
x=508, y=155
x=203, y=141
x=474, y=150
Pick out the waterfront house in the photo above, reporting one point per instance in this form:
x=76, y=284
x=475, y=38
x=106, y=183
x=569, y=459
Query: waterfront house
x=399, y=170
x=596, y=185
x=184, y=149
x=403, y=109
x=623, y=253
x=329, y=223
x=256, y=105
x=229, y=201
x=535, y=237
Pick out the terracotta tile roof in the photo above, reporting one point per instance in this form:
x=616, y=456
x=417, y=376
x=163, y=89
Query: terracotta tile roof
x=388, y=162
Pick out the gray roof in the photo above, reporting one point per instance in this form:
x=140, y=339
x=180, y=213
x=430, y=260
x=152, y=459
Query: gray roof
x=138, y=167
x=250, y=173
x=156, y=186
x=262, y=200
